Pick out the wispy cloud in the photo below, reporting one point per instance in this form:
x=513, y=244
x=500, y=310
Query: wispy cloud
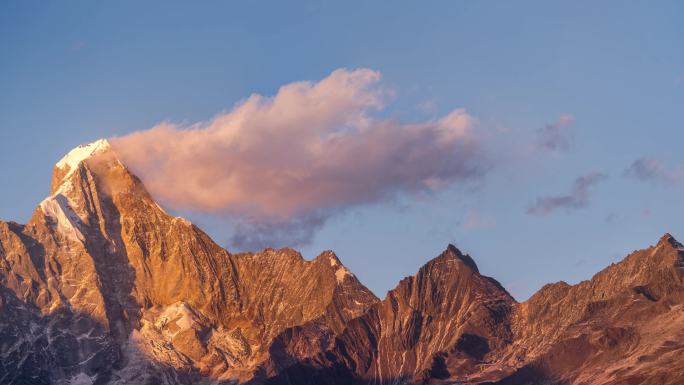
x=558, y=135
x=577, y=198
x=649, y=169
x=282, y=165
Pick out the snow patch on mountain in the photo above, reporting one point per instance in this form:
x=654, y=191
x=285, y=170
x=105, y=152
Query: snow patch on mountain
x=82, y=379
x=176, y=318
x=70, y=162
x=81, y=153
x=65, y=219
x=341, y=274
x=60, y=206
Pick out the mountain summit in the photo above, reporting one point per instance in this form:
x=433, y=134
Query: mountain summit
x=102, y=286
x=120, y=290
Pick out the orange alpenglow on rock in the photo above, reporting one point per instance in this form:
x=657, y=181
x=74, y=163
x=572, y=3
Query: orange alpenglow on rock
x=102, y=286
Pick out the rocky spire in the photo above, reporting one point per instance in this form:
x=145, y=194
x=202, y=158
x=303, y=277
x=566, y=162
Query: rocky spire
x=464, y=258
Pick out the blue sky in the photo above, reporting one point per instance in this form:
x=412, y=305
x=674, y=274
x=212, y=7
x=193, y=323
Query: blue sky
x=73, y=72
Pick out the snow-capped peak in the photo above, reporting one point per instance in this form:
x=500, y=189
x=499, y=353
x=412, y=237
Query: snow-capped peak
x=58, y=205
x=81, y=153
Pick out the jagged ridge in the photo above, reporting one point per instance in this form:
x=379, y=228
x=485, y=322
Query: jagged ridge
x=103, y=286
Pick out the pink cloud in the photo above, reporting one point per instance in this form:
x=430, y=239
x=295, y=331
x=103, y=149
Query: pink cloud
x=300, y=156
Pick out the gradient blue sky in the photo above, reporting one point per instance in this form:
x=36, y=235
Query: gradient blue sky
x=72, y=72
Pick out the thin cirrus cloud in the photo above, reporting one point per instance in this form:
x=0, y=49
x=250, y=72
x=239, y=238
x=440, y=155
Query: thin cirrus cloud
x=280, y=166
x=578, y=197
x=556, y=136
x=649, y=169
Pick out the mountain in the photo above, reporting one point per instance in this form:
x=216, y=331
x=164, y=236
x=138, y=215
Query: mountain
x=102, y=286
x=111, y=289
x=450, y=325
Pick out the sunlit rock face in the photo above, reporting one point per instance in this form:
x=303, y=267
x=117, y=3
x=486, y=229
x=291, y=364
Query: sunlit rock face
x=106, y=287
x=102, y=286
x=450, y=325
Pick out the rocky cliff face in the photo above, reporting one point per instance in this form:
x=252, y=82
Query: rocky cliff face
x=446, y=319
x=102, y=286
x=624, y=326
x=109, y=288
